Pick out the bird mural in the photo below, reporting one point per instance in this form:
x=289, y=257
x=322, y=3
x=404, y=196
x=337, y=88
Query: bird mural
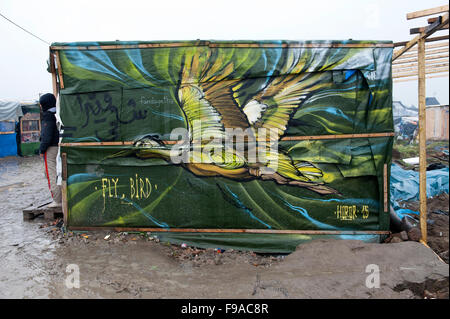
x=214, y=104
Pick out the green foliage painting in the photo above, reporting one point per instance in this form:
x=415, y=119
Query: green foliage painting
x=227, y=135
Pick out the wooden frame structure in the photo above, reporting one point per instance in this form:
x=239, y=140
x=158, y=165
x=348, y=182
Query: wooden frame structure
x=426, y=62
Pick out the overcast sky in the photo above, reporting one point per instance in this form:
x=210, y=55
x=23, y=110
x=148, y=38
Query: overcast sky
x=23, y=58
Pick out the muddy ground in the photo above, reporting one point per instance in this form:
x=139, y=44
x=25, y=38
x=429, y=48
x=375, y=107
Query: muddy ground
x=437, y=223
x=34, y=256
x=438, y=206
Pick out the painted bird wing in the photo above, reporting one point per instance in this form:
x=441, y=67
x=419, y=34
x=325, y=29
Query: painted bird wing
x=281, y=98
x=274, y=107
x=206, y=97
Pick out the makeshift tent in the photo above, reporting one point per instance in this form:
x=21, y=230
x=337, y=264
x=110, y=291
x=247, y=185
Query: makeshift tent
x=144, y=125
x=10, y=111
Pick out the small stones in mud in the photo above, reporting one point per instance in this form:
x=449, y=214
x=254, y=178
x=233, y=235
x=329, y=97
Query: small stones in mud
x=403, y=235
x=218, y=260
x=396, y=240
x=196, y=257
x=444, y=256
x=414, y=234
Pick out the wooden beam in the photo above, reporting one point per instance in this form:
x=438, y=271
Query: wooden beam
x=433, y=39
x=427, y=53
x=433, y=57
x=64, y=189
x=424, y=29
x=409, y=79
x=430, y=46
x=422, y=141
x=231, y=230
x=427, y=12
x=408, y=73
x=64, y=166
x=98, y=143
x=385, y=187
x=402, y=75
x=432, y=20
x=223, y=45
x=424, y=35
x=53, y=71
x=414, y=77
x=427, y=68
x=427, y=63
x=286, y=138
x=435, y=24
x=60, y=74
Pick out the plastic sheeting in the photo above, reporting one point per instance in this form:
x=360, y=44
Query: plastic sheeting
x=8, y=145
x=10, y=110
x=300, y=89
x=405, y=186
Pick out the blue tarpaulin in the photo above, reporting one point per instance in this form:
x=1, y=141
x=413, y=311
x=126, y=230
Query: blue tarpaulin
x=405, y=186
x=8, y=145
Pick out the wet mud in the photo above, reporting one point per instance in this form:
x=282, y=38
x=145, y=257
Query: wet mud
x=38, y=256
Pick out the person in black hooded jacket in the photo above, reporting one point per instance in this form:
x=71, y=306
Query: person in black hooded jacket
x=49, y=145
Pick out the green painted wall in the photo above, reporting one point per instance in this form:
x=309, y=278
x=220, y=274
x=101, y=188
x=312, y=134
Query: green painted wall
x=294, y=88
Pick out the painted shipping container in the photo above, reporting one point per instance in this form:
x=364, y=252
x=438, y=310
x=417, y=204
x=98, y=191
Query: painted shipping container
x=254, y=145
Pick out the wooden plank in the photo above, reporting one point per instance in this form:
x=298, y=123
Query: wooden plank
x=400, y=75
x=427, y=70
x=433, y=57
x=438, y=67
x=433, y=39
x=340, y=136
x=224, y=45
x=286, y=138
x=443, y=67
x=31, y=213
x=60, y=75
x=97, y=143
x=427, y=63
x=385, y=188
x=414, y=69
x=426, y=12
x=429, y=47
x=248, y=231
x=424, y=29
x=302, y=45
x=53, y=72
x=52, y=214
x=65, y=203
x=414, y=41
x=427, y=53
x=409, y=79
x=64, y=190
x=64, y=166
x=130, y=46
x=432, y=20
x=35, y=211
x=422, y=141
